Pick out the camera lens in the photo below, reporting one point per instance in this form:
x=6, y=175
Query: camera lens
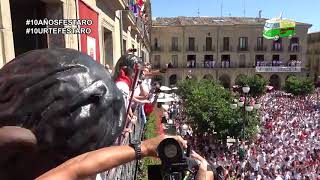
x=170, y=150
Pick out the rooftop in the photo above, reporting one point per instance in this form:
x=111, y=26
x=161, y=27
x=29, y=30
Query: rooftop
x=192, y=21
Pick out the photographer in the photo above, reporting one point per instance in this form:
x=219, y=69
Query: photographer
x=91, y=163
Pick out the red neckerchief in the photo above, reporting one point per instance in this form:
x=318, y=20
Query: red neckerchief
x=123, y=78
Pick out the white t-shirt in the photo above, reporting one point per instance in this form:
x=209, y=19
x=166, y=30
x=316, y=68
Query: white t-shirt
x=124, y=88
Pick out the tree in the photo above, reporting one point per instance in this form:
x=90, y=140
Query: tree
x=207, y=105
x=299, y=85
x=256, y=83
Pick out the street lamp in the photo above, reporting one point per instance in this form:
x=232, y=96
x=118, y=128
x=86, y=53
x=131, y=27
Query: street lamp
x=246, y=107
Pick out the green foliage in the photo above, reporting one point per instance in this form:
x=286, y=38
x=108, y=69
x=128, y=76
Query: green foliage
x=207, y=105
x=256, y=83
x=241, y=80
x=151, y=131
x=299, y=85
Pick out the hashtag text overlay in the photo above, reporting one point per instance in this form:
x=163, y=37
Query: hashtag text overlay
x=59, y=22
x=58, y=30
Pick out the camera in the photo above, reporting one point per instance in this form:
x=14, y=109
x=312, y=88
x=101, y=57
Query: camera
x=173, y=159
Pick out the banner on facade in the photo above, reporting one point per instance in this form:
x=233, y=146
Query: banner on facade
x=90, y=42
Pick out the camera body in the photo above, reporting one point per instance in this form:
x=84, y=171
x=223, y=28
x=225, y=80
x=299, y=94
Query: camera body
x=174, y=158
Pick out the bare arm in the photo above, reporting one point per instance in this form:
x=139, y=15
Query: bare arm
x=101, y=160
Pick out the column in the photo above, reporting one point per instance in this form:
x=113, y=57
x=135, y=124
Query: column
x=6, y=35
x=117, y=39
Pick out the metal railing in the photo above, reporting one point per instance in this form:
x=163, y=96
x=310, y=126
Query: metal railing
x=127, y=171
x=277, y=49
x=159, y=49
x=192, y=48
x=241, y=49
x=260, y=48
x=294, y=48
x=174, y=49
x=208, y=48
x=226, y=49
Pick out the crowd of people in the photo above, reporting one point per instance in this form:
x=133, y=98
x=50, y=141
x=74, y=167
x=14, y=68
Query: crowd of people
x=286, y=147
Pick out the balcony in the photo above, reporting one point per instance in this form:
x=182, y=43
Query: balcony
x=226, y=49
x=294, y=48
x=207, y=65
x=242, y=49
x=260, y=49
x=277, y=49
x=208, y=49
x=157, y=49
x=192, y=49
x=174, y=49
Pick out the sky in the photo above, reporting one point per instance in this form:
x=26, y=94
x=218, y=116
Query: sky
x=307, y=11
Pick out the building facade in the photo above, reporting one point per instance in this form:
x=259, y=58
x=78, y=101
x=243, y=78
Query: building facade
x=116, y=27
x=224, y=48
x=313, y=54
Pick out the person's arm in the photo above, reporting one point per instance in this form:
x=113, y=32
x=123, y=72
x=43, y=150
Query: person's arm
x=101, y=160
x=145, y=101
x=203, y=173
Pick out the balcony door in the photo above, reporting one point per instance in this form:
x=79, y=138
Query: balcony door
x=242, y=61
x=225, y=61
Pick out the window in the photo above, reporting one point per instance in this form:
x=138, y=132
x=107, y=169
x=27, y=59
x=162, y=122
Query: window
x=276, y=25
x=156, y=45
x=243, y=43
x=157, y=61
x=225, y=61
x=209, y=44
x=293, y=57
x=174, y=43
x=208, y=61
x=175, y=60
x=191, y=61
x=260, y=60
x=191, y=44
x=260, y=43
x=294, y=44
x=277, y=45
x=275, y=60
x=242, y=61
x=226, y=43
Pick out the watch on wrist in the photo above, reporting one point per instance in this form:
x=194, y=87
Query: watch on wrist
x=136, y=145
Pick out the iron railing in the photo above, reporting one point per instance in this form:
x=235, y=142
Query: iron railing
x=127, y=171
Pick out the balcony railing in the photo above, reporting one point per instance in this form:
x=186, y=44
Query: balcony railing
x=128, y=170
x=225, y=49
x=277, y=49
x=208, y=65
x=294, y=48
x=174, y=49
x=158, y=49
x=278, y=63
x=243, y=48
x=208, y=49
x=195, y=48
x=260, y=48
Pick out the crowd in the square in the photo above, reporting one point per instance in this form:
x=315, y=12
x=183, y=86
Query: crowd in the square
x=286, y=147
